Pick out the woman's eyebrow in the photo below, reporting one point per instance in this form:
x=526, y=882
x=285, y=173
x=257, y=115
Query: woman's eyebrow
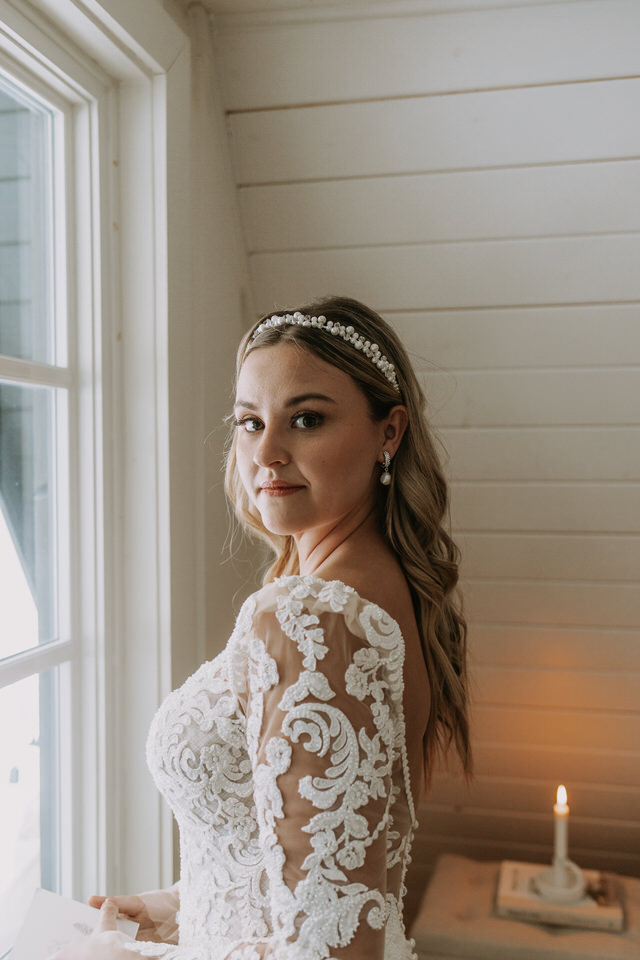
x=293, y=402
x=303, y=397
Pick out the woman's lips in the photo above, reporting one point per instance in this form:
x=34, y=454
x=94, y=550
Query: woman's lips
x=279, y=489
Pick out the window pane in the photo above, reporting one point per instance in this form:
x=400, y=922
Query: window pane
x=30, y=785
x=33, y=525
x=26, y=315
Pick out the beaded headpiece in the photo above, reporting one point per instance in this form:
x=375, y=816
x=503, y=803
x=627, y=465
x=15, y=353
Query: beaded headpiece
x=348, y=334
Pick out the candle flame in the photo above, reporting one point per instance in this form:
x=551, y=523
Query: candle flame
x=561, y=796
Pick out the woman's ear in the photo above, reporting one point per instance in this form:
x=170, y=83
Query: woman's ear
x=394, y=426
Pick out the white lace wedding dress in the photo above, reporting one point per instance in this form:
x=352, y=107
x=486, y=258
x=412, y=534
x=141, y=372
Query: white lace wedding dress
x=284, y=760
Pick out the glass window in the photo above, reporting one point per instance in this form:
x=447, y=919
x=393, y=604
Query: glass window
x=86, y=299
x=26, y=328
x=35, y=469
x=35, y=731
x=33, y=464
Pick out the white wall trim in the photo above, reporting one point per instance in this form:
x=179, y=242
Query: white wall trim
x=125, y=38
x=227, y=17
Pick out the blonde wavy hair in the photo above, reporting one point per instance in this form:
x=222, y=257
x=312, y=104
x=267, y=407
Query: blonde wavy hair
x=414, y=511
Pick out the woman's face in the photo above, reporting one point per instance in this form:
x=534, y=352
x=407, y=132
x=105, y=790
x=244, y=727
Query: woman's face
x=307, y=449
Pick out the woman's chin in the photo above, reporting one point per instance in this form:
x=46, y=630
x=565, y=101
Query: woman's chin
x=277, y=525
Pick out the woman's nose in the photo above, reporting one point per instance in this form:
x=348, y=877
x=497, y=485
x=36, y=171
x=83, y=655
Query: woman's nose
x=270, y=448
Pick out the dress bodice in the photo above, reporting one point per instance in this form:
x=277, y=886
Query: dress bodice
x=284, y=760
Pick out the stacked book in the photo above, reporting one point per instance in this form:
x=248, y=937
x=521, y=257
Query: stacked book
x=601, y=907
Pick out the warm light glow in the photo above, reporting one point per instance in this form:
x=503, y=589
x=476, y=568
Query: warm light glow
x=561, y=796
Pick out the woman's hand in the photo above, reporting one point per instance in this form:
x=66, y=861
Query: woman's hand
x=105, y=943
x=133, y=908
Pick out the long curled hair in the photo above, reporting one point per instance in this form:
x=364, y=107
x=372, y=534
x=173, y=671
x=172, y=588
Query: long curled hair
x=415, y=510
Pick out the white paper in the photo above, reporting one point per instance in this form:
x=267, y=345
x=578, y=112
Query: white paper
x=53, y=922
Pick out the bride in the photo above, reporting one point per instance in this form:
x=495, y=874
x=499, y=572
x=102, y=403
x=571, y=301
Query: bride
x=294, y=761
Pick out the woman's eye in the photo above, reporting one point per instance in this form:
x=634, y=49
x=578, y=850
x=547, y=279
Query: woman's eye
x=307, y=420
x=250, y=424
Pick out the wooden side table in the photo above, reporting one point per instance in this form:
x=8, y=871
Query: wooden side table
x=456, y=921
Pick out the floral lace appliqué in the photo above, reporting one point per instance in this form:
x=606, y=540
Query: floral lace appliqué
x=231, y=787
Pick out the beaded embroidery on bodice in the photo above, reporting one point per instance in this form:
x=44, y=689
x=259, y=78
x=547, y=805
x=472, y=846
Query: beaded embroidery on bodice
x=284, y=761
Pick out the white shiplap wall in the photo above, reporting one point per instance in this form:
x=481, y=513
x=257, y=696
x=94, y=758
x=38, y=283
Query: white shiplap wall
x=475, y=175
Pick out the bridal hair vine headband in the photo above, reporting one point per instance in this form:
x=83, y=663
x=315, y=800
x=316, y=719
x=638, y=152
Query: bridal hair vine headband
x=348, y=334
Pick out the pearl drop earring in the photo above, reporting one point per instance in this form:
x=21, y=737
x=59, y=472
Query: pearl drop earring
x=385, y=477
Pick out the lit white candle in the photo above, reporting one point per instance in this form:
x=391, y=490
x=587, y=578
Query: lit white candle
x=561, y=821
x=563, y=882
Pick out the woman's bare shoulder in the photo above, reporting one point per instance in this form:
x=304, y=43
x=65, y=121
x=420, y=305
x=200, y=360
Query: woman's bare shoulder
x=381, y=581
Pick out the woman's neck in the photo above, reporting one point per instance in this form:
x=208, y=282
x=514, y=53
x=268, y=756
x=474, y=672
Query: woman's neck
x=333, y=546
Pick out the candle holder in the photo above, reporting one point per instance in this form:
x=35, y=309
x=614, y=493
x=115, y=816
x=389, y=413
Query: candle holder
x=563, y=882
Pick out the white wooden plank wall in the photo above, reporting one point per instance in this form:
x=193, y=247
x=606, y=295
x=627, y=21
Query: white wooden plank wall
x=475, y=175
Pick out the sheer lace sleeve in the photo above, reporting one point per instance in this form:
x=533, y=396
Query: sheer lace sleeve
x=320, y=735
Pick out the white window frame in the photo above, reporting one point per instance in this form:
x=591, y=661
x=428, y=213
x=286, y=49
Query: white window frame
x=125, y=67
